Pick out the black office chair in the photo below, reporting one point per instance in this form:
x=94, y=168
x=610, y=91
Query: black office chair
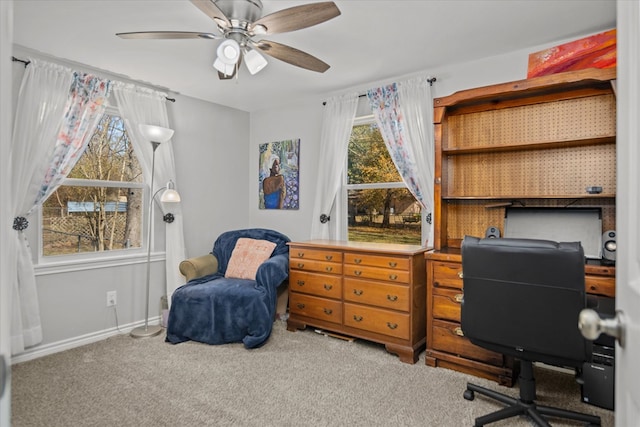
x=522, y=298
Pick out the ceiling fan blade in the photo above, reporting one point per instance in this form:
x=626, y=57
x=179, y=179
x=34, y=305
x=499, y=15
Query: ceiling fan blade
x=149, y=35
x=209, y=8
x=295, y=18
x=292, y=56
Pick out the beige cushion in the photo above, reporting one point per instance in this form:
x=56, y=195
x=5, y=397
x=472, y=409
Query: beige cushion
x=194, y=268
x=247, y=256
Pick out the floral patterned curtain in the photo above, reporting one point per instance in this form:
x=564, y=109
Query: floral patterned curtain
x=404, y=112
x=57, y=110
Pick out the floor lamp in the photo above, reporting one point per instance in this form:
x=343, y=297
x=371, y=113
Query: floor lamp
x=156, y=135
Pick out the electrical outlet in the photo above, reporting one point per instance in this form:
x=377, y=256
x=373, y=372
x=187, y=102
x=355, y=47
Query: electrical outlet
x=111, y=298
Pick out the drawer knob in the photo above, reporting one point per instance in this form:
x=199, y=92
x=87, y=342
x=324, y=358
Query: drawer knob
x=357, y=272
x=458, y=297
x=300, y=282
x=393, y=264
x=328, y=287
x=328, y=311
x=329, y=268
x=300, y=265
x=393, y=276
x=357, y=318
x=392, y=297
x=392, y=325
x=460, y=275
x=458, y=331
x=357, y=260
x=328, y=257
x=300, y=254
x=300, y=305
x=358, y=291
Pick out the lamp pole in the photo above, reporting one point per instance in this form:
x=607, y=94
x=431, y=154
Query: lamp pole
x=146, y=330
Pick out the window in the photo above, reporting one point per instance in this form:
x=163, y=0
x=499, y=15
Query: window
x=99, y=206
x=380, y=207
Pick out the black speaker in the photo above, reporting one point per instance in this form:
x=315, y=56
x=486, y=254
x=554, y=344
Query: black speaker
x=492, y=233
x=609, y=245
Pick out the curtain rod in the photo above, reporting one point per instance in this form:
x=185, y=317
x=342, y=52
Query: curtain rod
x=14, y=59
x=362, y=95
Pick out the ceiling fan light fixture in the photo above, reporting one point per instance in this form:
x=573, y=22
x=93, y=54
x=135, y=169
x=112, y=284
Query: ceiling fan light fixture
x=228, y=52
x=255, y=62
x=226, y=69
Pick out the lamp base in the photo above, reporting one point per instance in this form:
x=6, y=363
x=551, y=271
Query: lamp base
x=146, y=331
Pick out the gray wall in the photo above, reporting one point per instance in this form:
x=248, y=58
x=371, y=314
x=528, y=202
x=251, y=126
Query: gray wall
x=216, y=153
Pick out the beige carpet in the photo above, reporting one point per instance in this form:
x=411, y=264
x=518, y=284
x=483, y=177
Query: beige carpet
x=295, y=379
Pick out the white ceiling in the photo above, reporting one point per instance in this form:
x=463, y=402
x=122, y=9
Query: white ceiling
x=371, y=41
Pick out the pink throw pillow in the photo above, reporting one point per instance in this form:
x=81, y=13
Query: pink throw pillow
x=247, y=256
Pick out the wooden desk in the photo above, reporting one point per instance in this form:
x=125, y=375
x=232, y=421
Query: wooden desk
x=446, y=345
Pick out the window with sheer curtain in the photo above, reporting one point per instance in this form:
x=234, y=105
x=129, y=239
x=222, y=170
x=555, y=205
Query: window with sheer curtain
x=99, y=205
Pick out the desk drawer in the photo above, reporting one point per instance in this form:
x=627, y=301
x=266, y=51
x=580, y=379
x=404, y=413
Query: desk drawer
x=447, y=274
x=323, y=285
x=318, y=308
x=377, y=320
x=447, y=304
x=391, y=262
x=448, y=337
x=384, y=295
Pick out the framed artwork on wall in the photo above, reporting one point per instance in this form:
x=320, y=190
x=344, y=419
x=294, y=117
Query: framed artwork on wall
x=279, y=175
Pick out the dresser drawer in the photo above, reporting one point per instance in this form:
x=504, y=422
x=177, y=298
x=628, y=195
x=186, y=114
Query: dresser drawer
x=447, y=274
x=448, y=337
x=377, y=261
x=316, y=307
x=312, y=265
x=386, y=274
x=322, y=285
x=377, y=320
x=315, y=254
x=379, y=294
x=447, y=304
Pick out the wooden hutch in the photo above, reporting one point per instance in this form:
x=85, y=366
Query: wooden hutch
x=537, y=143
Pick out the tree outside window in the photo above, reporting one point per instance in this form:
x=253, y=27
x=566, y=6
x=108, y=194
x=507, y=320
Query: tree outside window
x=380, y=207
x=99, y=205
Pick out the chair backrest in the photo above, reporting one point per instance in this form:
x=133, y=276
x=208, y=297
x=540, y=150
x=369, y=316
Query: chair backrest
x=226, y=242
x=522, y=297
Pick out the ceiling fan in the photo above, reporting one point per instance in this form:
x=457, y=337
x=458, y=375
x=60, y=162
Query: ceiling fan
x=239, y=22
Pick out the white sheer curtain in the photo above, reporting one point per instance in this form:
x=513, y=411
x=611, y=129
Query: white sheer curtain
x=139, y=105
x=404, y=114
x=337, y=122
x=57, y=110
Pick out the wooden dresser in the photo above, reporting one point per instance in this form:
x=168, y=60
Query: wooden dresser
x=538, y=142
x=372, y=291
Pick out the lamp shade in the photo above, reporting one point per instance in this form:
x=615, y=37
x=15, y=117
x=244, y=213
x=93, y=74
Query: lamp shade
x=170, y=195
x=254, y=61
x=229, y=52
x=155, y=133
x=226, y=69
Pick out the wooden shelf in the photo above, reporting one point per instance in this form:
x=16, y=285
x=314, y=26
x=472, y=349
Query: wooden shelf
x=545, y=145
x=531, y=196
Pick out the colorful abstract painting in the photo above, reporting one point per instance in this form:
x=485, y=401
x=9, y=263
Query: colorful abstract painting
x=597, y=51
x=279, y=175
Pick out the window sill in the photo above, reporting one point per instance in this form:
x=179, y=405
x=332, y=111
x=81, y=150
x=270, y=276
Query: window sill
x=66, y=266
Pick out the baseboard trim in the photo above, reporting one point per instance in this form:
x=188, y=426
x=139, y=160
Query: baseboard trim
x=56, y=347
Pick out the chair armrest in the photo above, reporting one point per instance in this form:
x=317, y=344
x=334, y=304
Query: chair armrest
x=203, y=265
x=273, y=271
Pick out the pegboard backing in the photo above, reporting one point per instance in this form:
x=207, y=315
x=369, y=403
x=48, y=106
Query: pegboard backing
x=559, y=171
x=571, y=119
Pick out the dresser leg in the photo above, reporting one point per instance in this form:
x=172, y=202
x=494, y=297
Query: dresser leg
x=406, y=354
x=293, y=325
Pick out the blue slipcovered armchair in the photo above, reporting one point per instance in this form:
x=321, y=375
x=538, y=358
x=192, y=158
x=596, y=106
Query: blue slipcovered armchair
x=215, y=309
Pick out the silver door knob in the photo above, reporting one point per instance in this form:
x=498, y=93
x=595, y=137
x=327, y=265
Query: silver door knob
x=592, y=325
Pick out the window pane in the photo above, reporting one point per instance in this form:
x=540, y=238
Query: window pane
x=90, y=219
x=369, y=159
x=390, y=215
